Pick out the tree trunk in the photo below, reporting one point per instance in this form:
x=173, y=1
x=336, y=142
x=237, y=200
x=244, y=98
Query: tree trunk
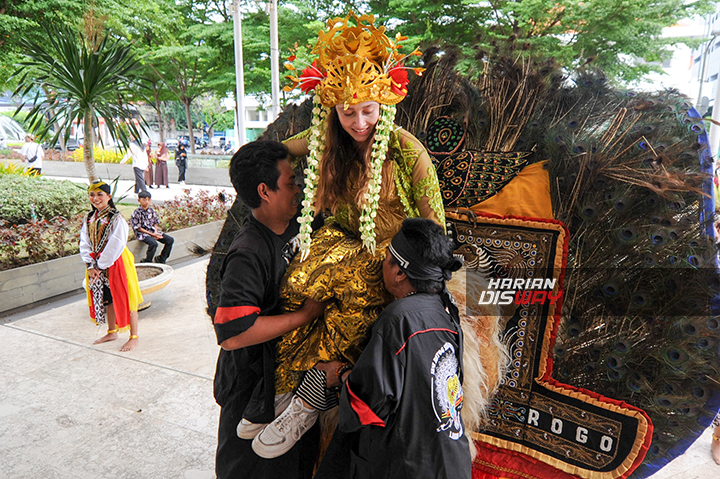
x=89, y=145
x=161, y=123
x=186, y=103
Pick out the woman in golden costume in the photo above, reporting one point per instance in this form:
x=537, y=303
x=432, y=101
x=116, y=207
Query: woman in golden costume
x=366, y=175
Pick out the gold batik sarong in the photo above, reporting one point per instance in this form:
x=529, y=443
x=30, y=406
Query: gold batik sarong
x=340, y=270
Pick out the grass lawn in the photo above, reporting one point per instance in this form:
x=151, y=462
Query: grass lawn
x=126, y=209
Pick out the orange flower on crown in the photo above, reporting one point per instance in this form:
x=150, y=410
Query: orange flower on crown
x=356, y=62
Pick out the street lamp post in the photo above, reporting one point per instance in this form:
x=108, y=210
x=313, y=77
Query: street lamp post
x=715, y=34
x=274, y=59
x=240, y=137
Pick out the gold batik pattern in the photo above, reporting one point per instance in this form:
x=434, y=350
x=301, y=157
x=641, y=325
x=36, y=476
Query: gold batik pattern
x=340, y=270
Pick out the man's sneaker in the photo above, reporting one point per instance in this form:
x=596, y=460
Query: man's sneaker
x=248, y=430
x=280, y=436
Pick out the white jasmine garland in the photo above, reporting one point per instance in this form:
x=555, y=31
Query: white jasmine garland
x=377, y=158
x=316, y=145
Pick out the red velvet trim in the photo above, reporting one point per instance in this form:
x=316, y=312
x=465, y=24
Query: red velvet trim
x=365, y=414
x=424, y=331
x=225, y=314
x=511, y=464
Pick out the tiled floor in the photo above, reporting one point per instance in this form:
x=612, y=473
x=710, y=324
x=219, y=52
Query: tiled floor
x=72, y=410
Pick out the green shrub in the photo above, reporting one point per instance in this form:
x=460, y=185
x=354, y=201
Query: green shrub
x=24, y=198
x=12, y=168
x=38, y=240
x=30, y=241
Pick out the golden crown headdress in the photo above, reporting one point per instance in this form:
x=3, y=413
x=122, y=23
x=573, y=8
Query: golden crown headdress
x=355, y=64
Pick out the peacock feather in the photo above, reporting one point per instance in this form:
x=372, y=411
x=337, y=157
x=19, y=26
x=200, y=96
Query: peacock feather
x=629, y=177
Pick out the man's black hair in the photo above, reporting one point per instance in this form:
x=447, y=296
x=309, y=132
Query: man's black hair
x=144, y=194
x=256, y=163
x=430, y=242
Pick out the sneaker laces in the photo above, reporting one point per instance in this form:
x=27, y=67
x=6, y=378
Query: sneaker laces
x=296, y=415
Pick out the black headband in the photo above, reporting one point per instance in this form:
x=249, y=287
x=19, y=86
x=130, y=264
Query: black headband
x=414, y=265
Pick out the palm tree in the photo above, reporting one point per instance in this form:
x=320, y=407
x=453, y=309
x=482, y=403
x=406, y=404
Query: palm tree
x=84, y=79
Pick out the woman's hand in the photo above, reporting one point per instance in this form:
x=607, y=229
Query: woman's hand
x=93, y=274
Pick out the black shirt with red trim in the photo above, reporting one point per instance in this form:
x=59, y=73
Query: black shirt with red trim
x=403, y=400
x=245, y=378
x=251, y=274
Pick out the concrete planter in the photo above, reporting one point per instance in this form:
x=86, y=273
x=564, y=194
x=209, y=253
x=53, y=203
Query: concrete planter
x=27, y=285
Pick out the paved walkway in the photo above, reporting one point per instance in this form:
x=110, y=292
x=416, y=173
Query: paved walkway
x=69, y=409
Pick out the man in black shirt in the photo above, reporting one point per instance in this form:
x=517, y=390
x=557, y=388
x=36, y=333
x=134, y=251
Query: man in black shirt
x=248, y=322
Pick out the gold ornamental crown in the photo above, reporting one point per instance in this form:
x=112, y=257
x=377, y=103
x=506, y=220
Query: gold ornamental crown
x=355, y=64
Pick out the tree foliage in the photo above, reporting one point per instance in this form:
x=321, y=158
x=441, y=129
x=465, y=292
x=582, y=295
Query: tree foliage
x=79, y=79
x=186, y=47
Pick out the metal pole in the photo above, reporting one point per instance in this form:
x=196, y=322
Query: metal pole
x=239, y=78
x=714, y=136
x=702, y=73
x=274, y=60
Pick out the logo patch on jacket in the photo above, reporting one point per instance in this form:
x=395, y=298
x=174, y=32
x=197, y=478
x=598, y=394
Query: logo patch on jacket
x=447, y=393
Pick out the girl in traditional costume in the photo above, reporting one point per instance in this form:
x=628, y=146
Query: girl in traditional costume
x=366, y=175
x=111, y=276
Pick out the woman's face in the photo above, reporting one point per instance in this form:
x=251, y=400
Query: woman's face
x=359, y=120
x=99, y=199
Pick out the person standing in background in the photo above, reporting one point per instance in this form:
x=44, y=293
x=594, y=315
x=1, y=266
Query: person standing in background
x=162, y=156
x=33, y=155
x=151, y=159
x=181, y=161
x=139, y=163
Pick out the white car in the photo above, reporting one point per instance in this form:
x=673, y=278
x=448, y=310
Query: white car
x=171, y=143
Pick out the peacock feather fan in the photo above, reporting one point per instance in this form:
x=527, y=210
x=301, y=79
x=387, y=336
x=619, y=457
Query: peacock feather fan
x=630, y=178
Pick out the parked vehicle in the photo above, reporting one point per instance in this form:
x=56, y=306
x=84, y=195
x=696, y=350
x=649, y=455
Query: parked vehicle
x=200, y=142
x=171, y=143
x=72, y=144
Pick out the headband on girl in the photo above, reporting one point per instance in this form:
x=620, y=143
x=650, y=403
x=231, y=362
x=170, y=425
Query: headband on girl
x=99, y=185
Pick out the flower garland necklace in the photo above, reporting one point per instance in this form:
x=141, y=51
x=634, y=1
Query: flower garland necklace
x=316, y=145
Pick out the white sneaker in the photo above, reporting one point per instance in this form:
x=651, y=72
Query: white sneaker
x=280, y=436
x=248, y=430
x=181, y=183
